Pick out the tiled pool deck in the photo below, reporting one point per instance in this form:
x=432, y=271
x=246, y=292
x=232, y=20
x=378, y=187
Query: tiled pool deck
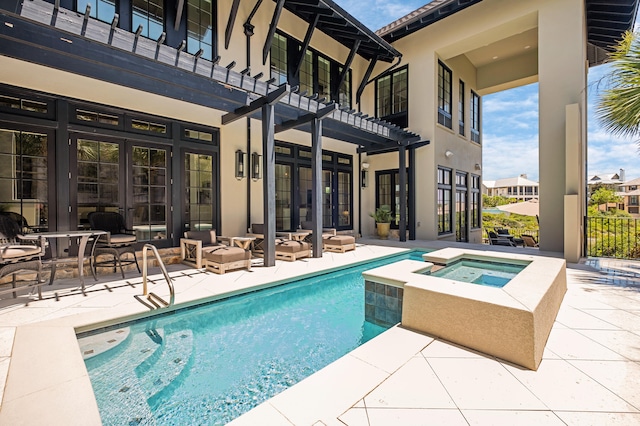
x=590, y=373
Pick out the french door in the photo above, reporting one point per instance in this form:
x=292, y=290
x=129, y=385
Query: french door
x=125, y=176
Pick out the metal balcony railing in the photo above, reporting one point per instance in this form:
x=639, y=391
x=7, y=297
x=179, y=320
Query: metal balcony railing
x=617, y=237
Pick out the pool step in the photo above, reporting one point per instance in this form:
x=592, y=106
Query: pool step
x=116, y=379
x=158, y=372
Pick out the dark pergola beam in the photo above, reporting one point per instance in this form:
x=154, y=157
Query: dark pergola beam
x=246, y=110
x=305, y=43
x=412, y=193
x=232, y=19
x=269, y=184
x=307, y=118
x=272, y=30
x=179, y=10
x=365, y=78
x=347, y=65
x=402, y=174
x=386, y=150
x=316, y=187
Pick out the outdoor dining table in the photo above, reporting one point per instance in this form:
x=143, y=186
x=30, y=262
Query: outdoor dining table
x=83, y=236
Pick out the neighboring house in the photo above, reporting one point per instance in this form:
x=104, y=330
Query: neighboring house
x=217, y=114
x=630, y=193
x=611, y=181
x=518, y=188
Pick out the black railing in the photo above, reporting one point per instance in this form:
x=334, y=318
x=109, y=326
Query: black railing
x=617, y=237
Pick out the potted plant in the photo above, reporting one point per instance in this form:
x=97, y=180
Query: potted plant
x=382, y=216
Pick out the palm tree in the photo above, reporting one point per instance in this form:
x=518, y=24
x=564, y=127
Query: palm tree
x=619, y=106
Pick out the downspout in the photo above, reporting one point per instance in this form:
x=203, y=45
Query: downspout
x=248, y=32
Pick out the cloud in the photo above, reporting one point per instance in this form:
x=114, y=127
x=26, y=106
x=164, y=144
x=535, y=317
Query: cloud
x=376, y=14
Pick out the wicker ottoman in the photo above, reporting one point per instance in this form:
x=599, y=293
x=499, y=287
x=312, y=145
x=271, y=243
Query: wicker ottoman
x=223, y=258
x=291, y=250
x=339, y=243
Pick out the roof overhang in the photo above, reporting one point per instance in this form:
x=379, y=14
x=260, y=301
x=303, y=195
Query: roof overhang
x=158, y=68
x=342, y=27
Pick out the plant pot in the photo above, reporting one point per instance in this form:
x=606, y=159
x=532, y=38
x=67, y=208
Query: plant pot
x=383, y=230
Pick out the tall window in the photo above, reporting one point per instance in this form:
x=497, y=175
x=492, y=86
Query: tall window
x=344, y=198
x=279, y=59
x=149, y=14
x=445, y=214
x=200, y=27
x=199, y=199
x=388, y=194
x=444, y=95
x=103, y=10
x=392, y=101
x=324, y=78
x=475, y=117
x=23, y=177
x=318, y=74
x=344, y=92
x=461, y=207
x=475, y=202
x=461, y=108
x=306, y=73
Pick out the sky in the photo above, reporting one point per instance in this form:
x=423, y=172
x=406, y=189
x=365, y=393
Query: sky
x=510, y=118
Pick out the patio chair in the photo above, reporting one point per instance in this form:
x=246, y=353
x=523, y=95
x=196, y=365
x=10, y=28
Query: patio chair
x=257, y=231
x=291, y=250
x=499, y=240
x=16, y=257
x=195, y=243
x=529, y=241
x=117, y=242
x=307, y=226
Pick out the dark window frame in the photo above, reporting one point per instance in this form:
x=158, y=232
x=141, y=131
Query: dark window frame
x=395, y=216
x=476, y=106
x=445, y=89
x=476, y=203
x=292, y=54
x=296, y=160
x=461, y=107
x=445, y=219
x=401, y=117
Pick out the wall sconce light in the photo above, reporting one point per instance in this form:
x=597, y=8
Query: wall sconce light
x=478, y=166
x=448, y=154
x=255, y=166
x=240, y=164
x=365, y=175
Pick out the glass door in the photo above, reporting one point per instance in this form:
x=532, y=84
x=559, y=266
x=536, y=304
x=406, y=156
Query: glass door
x=149, y=191
x=461, y=216
x=126, y=177
x=200, y=200
x=283, y=197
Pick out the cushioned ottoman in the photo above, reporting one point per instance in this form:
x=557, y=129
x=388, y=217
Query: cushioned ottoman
x=291, y=250
x=339, y=243
x=221, y=259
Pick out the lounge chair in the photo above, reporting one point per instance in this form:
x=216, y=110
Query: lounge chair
x=117, y=242
x=16, y=257
x=499, y=240
x=193, y=244
x=529, y=241
x=292, y=250
x=338, y=243
x=220, y=259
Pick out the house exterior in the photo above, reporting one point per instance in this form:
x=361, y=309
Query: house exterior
x=219, y=114
x=630, y=193
x=611, y=181
x=518, y=188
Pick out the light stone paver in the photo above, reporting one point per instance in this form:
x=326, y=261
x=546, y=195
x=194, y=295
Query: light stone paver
x=589, y=374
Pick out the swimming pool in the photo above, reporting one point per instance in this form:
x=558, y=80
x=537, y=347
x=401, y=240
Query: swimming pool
x=212, y=363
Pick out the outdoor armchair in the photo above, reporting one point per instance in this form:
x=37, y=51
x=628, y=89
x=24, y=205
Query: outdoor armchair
x=195, y=243
x=117, y=242
x=499, y=240
x=16, y=256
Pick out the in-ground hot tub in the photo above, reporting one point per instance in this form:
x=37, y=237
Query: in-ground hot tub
x=511, y=322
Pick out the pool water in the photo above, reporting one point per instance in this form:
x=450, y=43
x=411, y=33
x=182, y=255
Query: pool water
x=210, y=364
x=492, y=274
